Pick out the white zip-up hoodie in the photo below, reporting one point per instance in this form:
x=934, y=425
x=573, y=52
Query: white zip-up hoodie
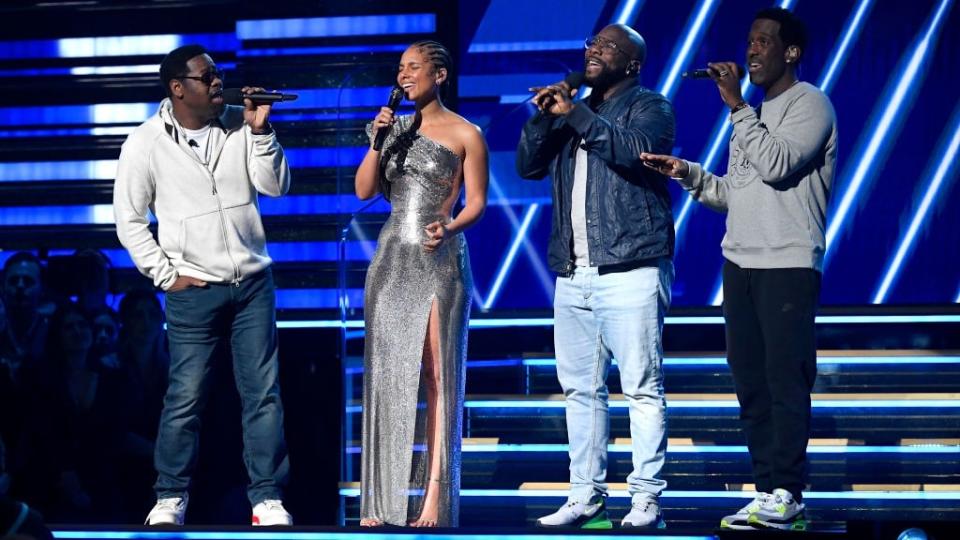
x=208, y=216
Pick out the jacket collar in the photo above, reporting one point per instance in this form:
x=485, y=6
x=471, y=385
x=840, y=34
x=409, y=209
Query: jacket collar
x=624, y=90
x=231, y=119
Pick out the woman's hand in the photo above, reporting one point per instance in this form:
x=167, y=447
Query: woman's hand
x=384, y=119
x=436, y=234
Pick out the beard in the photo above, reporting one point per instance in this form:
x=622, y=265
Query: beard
x=605, y=78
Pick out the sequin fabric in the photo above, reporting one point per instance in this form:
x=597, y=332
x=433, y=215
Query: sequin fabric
x=402, y=283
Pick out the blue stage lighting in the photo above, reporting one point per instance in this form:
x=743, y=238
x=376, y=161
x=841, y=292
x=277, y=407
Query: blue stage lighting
x=326, y=27
x=627, y=11
x=841, y=52
x=696, y=25
x=942, y=168
x=330, y=49
x=526, y=46
x=898, y=96
x=93, y=47
x=518, y=238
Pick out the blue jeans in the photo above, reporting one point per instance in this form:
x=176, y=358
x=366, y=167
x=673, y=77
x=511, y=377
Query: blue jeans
x=599, y=316
x=198, y=321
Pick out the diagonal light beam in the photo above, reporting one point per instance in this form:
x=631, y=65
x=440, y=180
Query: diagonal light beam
x=900, y=94
x=507, y=263
x=941, y=168
x=697, y=23
x=627, y=11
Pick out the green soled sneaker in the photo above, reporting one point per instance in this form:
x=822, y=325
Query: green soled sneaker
x=576, y=514
x=740, y=520
x=781, y=512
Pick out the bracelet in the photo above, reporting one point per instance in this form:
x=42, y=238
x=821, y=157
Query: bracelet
x=739, y=106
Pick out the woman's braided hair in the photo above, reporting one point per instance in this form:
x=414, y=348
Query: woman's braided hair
x=436, y=54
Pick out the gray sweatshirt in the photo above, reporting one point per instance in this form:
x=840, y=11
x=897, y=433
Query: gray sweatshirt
x=778, y=181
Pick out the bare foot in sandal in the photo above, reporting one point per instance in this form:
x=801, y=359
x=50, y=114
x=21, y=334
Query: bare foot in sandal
x=371, y=522
x=430, y=512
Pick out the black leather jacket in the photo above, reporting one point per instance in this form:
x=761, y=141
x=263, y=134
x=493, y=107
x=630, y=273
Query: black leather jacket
x=628, y=210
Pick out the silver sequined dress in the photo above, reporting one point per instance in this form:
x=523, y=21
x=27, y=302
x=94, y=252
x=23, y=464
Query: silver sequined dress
x=402, y=283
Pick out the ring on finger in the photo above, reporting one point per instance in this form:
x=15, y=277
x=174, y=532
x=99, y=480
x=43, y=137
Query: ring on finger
x=724, y=73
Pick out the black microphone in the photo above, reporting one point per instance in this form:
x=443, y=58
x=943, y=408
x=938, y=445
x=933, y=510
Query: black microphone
x=574, y=79
x=233, y=96
x=396, y=94
x=705, y=74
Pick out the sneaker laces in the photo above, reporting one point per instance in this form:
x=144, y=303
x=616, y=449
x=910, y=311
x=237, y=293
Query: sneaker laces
x=572, y=504
x=762, y=500
x=643, y=506
x=272, y=504
x=169, y=504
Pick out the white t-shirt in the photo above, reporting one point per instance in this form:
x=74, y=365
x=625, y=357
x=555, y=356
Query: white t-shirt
x=578, y=210
x=199, y=141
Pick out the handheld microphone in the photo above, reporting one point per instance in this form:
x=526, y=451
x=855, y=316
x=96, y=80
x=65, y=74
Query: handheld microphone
x=396, y=94
x=233, y=96
x=705, y=74
x=574, y=79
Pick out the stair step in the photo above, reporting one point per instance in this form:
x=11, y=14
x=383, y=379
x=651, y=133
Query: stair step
x=833, y=400
x=702, y=509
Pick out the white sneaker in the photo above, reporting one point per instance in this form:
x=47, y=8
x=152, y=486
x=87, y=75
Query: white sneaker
x=740, y=520
x=782, y=512
x=269, y=513
x=169, y=511
x=592, y=515
x=644, y=513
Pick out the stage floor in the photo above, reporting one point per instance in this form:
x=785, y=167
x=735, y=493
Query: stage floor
x=396, y=533
x=856, y=530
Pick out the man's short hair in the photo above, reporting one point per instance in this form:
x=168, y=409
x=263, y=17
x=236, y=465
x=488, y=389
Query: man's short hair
x=20, y=257
x=174, y=64
x=792, y=29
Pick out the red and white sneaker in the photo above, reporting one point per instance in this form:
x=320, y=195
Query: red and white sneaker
x=270, y=513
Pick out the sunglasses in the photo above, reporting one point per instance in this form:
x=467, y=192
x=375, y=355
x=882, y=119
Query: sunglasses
x=207, y=78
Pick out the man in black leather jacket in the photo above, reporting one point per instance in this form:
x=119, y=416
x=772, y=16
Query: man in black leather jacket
x=612, y=246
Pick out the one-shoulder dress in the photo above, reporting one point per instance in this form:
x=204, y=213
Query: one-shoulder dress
x=403, y=281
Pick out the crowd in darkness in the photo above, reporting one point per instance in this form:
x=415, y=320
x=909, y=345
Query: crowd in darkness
x=81, y=390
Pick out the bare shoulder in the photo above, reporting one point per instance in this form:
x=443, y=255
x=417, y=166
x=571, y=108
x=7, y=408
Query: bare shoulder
x=465, y=130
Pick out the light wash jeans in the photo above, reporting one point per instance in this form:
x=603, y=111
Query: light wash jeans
x=599, y=316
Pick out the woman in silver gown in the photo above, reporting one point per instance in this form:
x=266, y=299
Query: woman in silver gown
x=417, y=300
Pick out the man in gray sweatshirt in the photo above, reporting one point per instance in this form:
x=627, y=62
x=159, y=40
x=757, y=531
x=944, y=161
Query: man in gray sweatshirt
x=775, y=192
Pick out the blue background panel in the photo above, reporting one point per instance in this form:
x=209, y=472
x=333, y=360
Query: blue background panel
x=889, y=68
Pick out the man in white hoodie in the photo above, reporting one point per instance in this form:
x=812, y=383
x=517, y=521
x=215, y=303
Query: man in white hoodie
x=197, y=165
